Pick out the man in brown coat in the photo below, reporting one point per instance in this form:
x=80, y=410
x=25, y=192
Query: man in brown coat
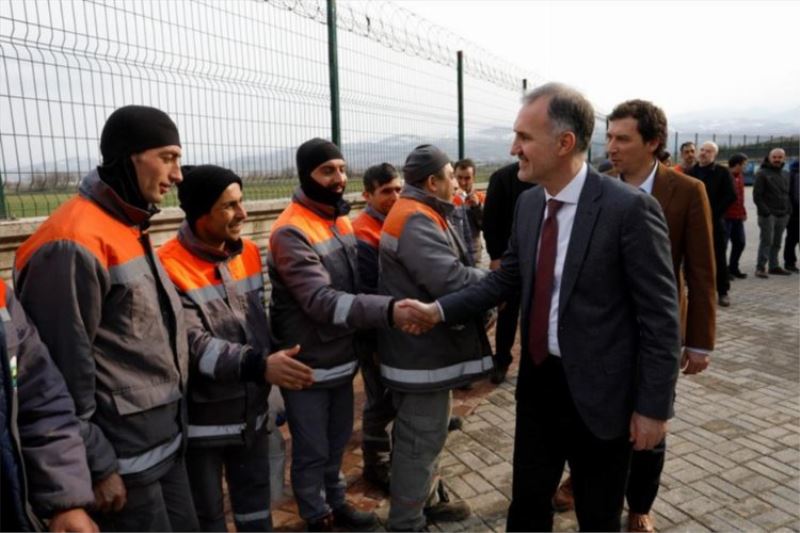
x=637, y=133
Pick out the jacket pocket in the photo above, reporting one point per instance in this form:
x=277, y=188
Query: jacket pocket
x=131, y=401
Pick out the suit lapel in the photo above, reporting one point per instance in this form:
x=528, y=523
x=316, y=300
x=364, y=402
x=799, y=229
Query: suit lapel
x=582, y=228
x=663, y=187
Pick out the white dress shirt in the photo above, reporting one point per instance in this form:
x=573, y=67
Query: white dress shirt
x=565, y=217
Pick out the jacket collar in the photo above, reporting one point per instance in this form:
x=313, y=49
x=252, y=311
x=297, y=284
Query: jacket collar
x=445, y=209
x=192, y=242
x=95, y=189
x=374, y=214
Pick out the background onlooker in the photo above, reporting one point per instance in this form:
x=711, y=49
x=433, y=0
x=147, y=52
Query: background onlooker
x=771, y=196
x=793, y=229
x=735, y=216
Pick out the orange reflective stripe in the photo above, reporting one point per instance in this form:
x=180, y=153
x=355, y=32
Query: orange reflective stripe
x=481, y=195
x=2, y=294
x=367, y=229
x=317, y=229
x=85, y=223
x=402, y=210
x=186, y=270
x=189, y=272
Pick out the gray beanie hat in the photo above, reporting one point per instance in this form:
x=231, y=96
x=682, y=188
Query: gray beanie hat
x=423, y=161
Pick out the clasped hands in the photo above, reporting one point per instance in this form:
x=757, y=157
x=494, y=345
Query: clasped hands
x=414, y=317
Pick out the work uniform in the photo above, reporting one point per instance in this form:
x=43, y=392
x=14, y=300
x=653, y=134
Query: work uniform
x=114, y=325
x=313, y=268
x=378, y=408
x=474, y=219
x=223, y=299
x=422, y=257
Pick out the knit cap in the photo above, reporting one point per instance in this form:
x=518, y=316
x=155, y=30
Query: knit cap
x=422, y=162
x=202, y=185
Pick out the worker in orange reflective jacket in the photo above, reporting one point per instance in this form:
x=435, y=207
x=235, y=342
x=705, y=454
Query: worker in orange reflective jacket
x=113, y=323
x=219, y=277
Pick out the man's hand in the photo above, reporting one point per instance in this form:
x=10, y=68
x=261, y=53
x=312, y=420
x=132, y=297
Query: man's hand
x=415, y=317
x=287, y=372
x=472, y=199
x=72, y=520
x=693, y=362
x=110, y=494
x=494, y=264
x=646, y=432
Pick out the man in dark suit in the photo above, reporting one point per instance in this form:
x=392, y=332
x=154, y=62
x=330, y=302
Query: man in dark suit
x=721, y=194
x=590, y=256
x=637, y=133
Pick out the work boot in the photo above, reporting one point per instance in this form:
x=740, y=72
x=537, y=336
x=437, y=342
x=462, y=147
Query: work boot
x=445, y=510
x=378, y=475
x=640, y=523
x=564, y=500
x=323, y=524
x=351, y=519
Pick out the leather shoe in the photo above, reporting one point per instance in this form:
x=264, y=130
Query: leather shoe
x=738, y=274
x=564, y=499
x=455, y=423
x=792, y=268
x=724, y=300
x=348, y=517
x=779, y=271
x=640, y=523
x=761, y=273
x=498, y=374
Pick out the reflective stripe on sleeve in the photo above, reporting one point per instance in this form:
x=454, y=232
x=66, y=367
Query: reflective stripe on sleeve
x=210, y=356
x=342, y=310
x=197, y=432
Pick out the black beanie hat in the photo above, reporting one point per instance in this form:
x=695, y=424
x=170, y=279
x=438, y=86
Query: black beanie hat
x=423, y=161
x=201, y=187
x=310, y=155
x=135, y=128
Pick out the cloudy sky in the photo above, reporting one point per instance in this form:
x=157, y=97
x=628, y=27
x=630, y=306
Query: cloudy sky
x=709, y=56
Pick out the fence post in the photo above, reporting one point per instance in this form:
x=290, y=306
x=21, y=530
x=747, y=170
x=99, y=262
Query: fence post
x=3, y=210
x=696, y=139
x=675, y=150
x=730, y=140
x=524, y=86
x=460, y=104
x=333, y=73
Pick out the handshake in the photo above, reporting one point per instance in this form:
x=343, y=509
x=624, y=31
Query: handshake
x=414, y=317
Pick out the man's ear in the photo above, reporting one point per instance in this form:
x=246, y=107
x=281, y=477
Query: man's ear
x=365, y=195
x=566, y=142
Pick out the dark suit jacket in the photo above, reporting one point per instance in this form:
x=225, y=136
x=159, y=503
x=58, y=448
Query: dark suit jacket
x=719, y=188
x=498, y=210
x=618, y=327
x=685, y=204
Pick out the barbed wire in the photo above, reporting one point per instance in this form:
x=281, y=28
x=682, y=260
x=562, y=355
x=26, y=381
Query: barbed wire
x=402, y=30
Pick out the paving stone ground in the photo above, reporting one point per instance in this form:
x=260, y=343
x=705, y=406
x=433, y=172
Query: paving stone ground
x=733, y=459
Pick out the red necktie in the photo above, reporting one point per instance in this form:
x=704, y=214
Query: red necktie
x=543, y=289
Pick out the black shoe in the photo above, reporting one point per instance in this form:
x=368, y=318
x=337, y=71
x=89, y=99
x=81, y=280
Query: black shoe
x=445, y=510
x=779, y=271
x=349, y=518
x=738, y=274
x=323, y=524
x=792, y=268
x=499, y=374
x=378, y=476
x=455, y=423
x=466, y=386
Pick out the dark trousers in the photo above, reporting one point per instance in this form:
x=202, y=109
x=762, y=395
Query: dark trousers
x=506, y=332
x=379, y=412
x=161, y=505
x=723, y=279
x=321, y=422
x=247, y=475
x=644, y=477
x=734, y=232
x=792, y=238
x=550, y=432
